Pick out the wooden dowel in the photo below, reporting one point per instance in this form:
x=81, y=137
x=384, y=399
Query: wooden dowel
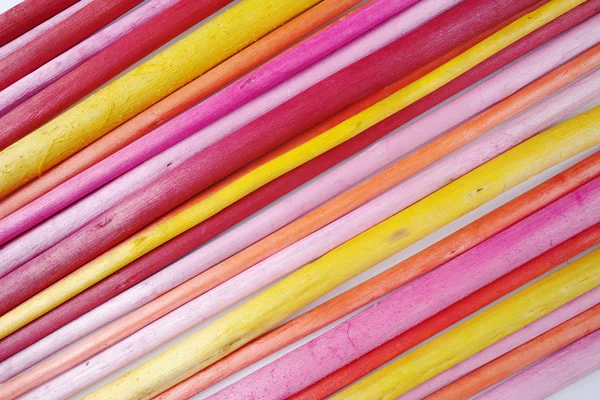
x=552, y=374
x=56, y=41
x=41, y=28
x=180, y=100
x=516, y=352
x=451, y=315
x=479, y=332
x=183, y=244
x=169, y=70
x=27, y=15
x=55, y=68
x=198, y=117
x=422, y=298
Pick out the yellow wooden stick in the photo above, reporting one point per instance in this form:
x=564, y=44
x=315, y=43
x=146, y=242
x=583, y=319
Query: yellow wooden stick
x=479, y=332
x=291, y=294
x=219, y=39
x=154, y=236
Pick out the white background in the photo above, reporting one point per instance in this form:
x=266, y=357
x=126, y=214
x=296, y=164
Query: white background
x=586, y=389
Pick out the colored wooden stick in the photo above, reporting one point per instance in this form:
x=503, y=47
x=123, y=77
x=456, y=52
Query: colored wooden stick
x=246, y=282
x=178, y=101
x=52, y=70
x=27, y=15
x=514, y=353
x=552, y=374
x=451, y=315
x=187, y=59
x=200, y=116
x=479, y=332
x=270, y=307
x=335, y=93
x=41, y=28
x=57, y=40
x=421, y=299
x=177, y=185
x=183, y=244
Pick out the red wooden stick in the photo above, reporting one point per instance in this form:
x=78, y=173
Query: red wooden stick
x=27, y=15
x=451, y=315
x=60, y=38
x=104, y=66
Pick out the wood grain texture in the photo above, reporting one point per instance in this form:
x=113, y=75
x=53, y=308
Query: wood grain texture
x=177, y=102
x=479, y=332
x=138, y=89
x=554, y=373
x=183, y=244
x=296, y=115
x=453, y=314
x=28, y=14
x=226, y=104
x=201, y=260
x=66, y=61
x=178, y=185
x=291, y=294
x=421, y=299
x=517, y=351
x=41, y=28
x=57, y=40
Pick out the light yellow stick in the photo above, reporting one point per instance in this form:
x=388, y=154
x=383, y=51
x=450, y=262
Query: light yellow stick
x=269, y=308
x=479, y=332
x=219, y=39
x=158, y=234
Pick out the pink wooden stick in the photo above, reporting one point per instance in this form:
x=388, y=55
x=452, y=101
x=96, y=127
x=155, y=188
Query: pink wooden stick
x=320, y=190
x=41, y=28
x=556, y=372
x=422, y=298
x=276, y=266
x=507, y=344
x=219, y=105
x=29, y=85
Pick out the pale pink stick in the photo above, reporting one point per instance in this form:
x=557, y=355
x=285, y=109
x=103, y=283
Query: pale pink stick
x=553, y=374
x=287, y=260
x=41, y=28
x=507, y=344
x=48, y=73
x=425, y=297
x=344, y=176
x=223, y=102
x=57, y=228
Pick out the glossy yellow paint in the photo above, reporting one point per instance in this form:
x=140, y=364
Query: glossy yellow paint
x=169, y=70
x=479, y=332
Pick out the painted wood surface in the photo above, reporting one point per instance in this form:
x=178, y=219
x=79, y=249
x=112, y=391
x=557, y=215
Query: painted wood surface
x=204, y=115
x=28, y=14
x=178, y=184
x=177, y=102
x=291, y=294
x=554, y=373
x=138, y=89
x=48, y=73
x=517, y=351
x=395, y=277
x=57, y=40
x=297, y=115
x=421, y=299
x=180, y=246
x=451, y=315
x=41, y=28
x=479, y=332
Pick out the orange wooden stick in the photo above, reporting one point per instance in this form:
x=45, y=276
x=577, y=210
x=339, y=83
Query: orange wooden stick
x=178, y=101
x=521, y=357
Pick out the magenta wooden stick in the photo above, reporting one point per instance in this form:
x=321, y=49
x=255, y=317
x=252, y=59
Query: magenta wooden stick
x=553, y=374
x=422, y=298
